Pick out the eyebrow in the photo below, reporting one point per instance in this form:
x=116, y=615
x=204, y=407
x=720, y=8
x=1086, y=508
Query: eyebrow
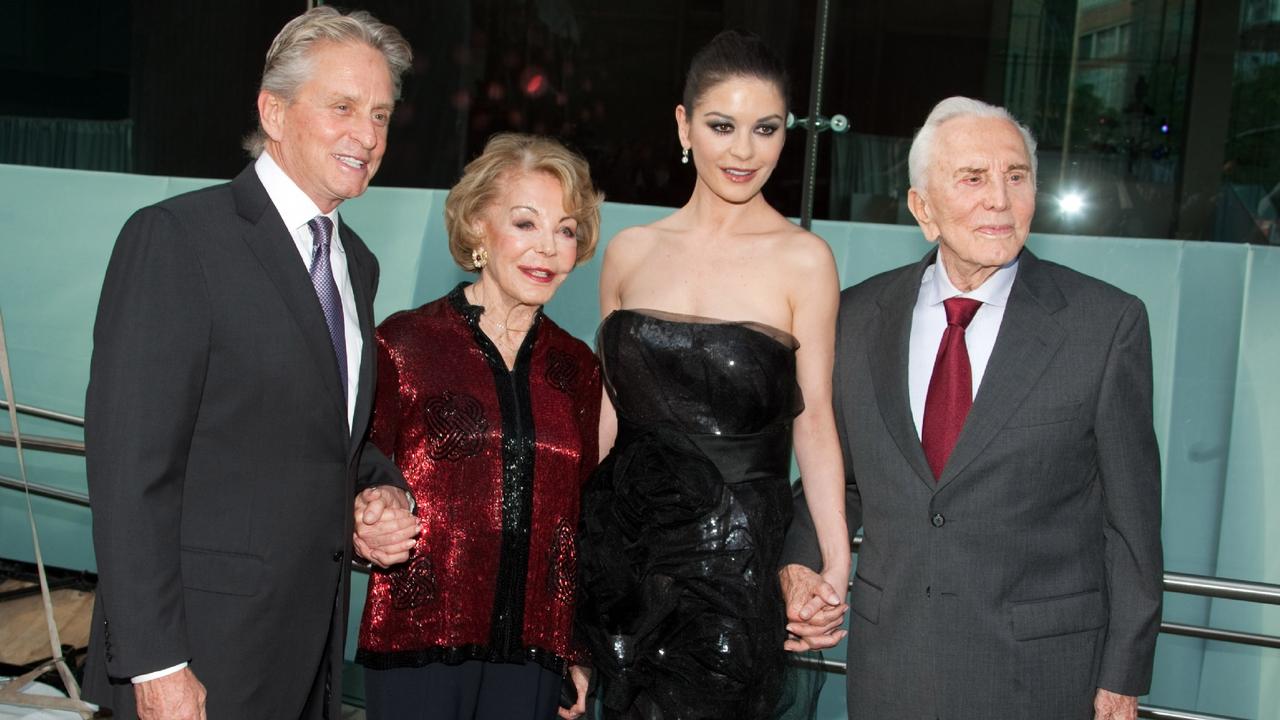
x=536, y=212
x=726, y=116
x=352, y=100
x=983, y=171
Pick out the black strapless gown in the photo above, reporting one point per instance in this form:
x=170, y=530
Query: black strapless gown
x=682, y=524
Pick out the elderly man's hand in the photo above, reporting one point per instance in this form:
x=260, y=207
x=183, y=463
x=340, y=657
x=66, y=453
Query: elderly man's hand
x=385, y=531
x=1113, y=706
x=815, y=610
x=177, y=696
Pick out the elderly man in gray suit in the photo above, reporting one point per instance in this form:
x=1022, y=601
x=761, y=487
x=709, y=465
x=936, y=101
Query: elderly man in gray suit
x=995, y=413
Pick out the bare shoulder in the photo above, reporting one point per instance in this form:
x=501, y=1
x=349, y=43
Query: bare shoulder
x=630, y=246
x=805, y=252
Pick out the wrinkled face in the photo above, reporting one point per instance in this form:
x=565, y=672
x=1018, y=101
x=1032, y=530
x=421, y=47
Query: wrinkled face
x=735, y=132
x=330, y=138
x=979, y=196
x=531, y=239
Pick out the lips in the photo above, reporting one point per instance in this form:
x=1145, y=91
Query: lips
x=997, y=230
x=538, y=274
x=738, y=175
x=351, y=162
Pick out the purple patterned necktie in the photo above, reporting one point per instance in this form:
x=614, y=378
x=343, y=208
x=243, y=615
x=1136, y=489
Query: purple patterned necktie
x=327, y=291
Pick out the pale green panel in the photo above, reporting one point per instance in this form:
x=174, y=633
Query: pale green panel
x=359, y=588
x=437, y=272
x=863, y=250
x=58, y=228
x=576, y=306
x=1235, y=678
x=1209, y=292
x=393, y=223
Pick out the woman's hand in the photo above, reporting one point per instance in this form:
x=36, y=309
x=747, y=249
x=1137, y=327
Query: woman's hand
x=580, y=675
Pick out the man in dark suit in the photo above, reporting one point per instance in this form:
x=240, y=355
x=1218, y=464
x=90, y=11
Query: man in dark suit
x=229, y=398
x=1005, y=476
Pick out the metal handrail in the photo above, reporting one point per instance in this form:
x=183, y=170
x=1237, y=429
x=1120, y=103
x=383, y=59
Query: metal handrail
x=836, y=667
x=62, y=446
x=48, y=491
x=45, y=414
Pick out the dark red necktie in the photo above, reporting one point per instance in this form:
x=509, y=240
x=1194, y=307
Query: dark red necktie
x=950, y=387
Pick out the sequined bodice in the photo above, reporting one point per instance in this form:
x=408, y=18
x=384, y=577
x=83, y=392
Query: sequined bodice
x=698, y=375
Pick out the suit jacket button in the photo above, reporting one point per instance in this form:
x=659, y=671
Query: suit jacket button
x=337, y=556
x=938, y=520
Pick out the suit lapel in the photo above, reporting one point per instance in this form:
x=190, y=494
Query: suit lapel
x=1029, y=337
x=269, y=240
x=887, y=352
x=364, y=312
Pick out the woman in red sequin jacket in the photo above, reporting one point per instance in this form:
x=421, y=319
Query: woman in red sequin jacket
x=491, y=411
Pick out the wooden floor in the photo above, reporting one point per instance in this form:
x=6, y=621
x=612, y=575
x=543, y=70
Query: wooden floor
x=24, y=635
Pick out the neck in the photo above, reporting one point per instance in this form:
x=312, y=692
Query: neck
x=272, y=148
x=717, y=215
x=500, y=309
x=965, y=276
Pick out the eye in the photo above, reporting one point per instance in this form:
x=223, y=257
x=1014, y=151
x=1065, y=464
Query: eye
x=1017, y=177
x=342, y=107
x=721, y=128
x=525, y=224
x=569, y=232
x=972, y=180
x=766, y=130
x=382, y=117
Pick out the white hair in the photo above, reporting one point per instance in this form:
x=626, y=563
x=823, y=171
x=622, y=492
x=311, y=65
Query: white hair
x=921, y=155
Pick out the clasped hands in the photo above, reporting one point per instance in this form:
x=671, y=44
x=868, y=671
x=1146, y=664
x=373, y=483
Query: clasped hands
x=815, y=609
x=385, y=531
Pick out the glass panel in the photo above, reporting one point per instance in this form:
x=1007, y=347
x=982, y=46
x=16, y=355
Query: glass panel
x=1103, y=84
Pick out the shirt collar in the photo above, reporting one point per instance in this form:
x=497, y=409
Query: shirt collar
x=295, y=208
x=936, y=285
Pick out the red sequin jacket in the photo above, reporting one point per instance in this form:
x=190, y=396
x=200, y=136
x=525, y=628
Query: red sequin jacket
x=496, y=460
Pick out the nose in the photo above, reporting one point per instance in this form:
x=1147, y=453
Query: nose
x=997, y=197
x=365, y=131
x=546, y=246
x=741, y=147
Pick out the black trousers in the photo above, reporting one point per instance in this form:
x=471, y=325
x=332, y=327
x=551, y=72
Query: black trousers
x=474, y=690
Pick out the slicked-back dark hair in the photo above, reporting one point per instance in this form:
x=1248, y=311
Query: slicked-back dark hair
x=733, y=54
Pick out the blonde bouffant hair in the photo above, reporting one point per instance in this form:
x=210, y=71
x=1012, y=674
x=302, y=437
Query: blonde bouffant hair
x=504, y=155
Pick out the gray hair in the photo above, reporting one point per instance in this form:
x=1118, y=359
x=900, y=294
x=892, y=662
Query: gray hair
x=921, y=154
x=288, y=64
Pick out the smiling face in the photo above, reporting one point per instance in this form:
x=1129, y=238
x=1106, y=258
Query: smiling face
x=531, y=239
x=329, y=139
x=979, y=197
x=735, y=132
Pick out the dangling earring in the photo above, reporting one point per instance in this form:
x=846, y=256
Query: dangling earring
x=684, y=157
x=479, y=258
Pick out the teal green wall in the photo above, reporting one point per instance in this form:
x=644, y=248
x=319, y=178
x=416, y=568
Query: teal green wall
x=1214, y=312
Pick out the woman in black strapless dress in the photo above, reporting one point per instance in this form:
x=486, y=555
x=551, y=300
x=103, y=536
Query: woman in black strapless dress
x=716, y=355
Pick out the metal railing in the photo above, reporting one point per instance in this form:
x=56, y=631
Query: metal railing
x=1186, y=584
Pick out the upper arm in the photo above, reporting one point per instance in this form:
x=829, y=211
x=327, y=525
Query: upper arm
x=146, y=380
x=619, y=257
x=815, y=298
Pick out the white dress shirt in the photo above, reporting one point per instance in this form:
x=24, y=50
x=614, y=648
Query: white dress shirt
x=929, y=321
x=297, y=209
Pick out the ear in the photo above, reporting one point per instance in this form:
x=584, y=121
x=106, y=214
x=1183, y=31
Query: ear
x=682, y=126
x=918, y=204
x=271, y=114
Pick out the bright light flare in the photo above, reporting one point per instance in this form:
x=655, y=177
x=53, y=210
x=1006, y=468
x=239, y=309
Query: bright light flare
x=1071, y=203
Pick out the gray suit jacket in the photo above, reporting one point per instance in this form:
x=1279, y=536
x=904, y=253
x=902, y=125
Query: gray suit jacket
x=1029, y=574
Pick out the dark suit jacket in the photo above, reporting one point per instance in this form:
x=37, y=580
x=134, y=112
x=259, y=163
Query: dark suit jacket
x=220, y=464
x=1029, y=574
